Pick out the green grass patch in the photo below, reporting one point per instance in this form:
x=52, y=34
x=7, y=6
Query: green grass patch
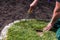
x=25, y=30
x=36, y=24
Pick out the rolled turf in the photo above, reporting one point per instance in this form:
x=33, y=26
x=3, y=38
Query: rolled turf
x=26, y=30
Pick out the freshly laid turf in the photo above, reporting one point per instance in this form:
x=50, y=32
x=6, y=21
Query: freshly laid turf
x=26, y=30
x=35, y=24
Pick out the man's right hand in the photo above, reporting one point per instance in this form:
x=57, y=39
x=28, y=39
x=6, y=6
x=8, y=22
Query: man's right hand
x=48, y=27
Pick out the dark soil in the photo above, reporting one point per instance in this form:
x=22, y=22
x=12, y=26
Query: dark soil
x=11, y=10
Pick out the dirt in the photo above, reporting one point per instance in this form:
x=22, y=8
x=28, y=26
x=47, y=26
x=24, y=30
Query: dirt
x=11, y=10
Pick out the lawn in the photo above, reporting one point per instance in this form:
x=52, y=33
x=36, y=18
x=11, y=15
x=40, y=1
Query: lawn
x=26, y=30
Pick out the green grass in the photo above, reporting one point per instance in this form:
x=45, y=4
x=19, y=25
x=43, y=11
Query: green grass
x=36, y=24
x=25, y=30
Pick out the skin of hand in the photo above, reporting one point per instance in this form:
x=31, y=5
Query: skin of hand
x=48, y=27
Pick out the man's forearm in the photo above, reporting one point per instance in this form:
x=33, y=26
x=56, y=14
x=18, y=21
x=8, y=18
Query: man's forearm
x=55, y=18
x=34, y=3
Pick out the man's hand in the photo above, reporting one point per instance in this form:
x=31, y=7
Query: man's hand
x=32, y=5
x=48, y=27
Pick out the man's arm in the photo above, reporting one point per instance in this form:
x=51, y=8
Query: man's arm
x=32, y=5
x=55, y=17
x=56, y=13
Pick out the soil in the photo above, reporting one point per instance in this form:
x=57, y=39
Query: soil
x=11, y=10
